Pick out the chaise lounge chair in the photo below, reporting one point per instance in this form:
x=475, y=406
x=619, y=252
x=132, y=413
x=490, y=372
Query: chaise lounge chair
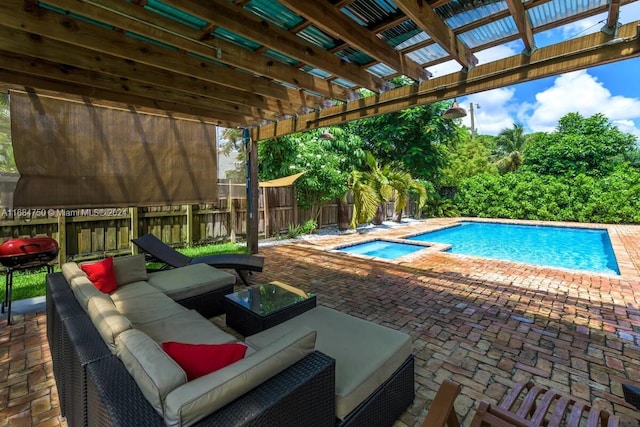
x=157, y=251
x=526, y=405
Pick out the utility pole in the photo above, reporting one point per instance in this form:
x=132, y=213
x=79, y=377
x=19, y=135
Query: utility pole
x=473, y=124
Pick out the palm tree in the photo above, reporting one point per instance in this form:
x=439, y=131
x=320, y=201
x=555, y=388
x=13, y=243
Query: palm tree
x=509, y=146
x=375, y=186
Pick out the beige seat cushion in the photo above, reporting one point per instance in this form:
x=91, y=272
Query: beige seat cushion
x=189, y=281
x=70, y=270
x=196, y=399
x=148, y=308
x=366, y=354
x=133, y=290
x=129, y=269
x=154, y=371
x=188, y=327
x=107, y=320
x=84, y=290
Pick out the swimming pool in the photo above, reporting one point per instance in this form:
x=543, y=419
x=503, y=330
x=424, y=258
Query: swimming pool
x=574, y=248
x=382, y=249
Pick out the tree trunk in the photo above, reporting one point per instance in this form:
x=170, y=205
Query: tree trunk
x=397, y=217
x=379, y=218
x=343, y=215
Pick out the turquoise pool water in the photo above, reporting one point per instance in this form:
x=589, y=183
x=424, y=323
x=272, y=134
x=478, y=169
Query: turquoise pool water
x=382, y=249
x=574, y=248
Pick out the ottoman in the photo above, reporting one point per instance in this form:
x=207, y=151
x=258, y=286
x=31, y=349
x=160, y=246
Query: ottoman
x=197, y=286
x=374, y=364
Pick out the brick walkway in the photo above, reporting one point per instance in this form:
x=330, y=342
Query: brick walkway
x=485, y=324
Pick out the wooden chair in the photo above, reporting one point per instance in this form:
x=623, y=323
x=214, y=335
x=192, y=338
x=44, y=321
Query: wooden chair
x=526, y=405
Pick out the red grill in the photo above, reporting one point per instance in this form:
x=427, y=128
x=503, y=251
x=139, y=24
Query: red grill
x=24, y=252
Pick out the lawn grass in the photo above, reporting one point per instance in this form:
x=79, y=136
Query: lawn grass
x=28, y=285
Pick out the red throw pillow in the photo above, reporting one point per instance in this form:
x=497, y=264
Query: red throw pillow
x=202, y=359
x=102, y=275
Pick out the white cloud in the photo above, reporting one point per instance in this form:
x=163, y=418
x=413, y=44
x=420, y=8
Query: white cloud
x=493, y=110
x=627, y=126
x=580, y=92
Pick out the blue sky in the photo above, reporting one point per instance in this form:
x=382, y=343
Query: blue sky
x=612, y=89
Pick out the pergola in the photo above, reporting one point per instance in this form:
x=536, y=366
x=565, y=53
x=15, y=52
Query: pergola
x=278, y=67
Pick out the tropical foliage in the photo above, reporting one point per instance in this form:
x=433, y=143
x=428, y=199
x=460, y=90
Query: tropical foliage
x=413, y=140
x=580, y=172
x=376, y=185
x=591, y=146
x=510, y=144
x=327, y=163
x=7, y=162
x=468, y=158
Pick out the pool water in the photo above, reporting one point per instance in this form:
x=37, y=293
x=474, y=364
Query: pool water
x=574, y=248
x=382, y=249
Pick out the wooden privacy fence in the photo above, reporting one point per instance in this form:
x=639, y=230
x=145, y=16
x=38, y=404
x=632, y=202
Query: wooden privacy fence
x=85, y=234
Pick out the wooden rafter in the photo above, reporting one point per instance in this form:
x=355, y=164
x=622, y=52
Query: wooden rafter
x=78, y=33
x=74, y=76
x=612, y=16
x=583, y=52
x=246, y=24
x=136, y=19
x=519, y=15
x=333, y=21
x=69, y=57
x=423, y=15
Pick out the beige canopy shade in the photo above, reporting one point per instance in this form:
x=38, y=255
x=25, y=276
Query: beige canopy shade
x=285, y=181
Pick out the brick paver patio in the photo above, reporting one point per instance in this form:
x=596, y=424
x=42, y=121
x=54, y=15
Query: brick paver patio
x=485, y=324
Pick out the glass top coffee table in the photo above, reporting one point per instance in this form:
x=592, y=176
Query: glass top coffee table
x=264, y=306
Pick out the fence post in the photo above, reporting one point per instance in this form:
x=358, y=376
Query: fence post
x=62, y=239
x=232, y=217
x=295, y=207
x=133, y=214
x=265, y=209
x=189, y=225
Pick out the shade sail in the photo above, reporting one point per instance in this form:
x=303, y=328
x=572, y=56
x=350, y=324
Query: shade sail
x=286, y=181
x=74, y=154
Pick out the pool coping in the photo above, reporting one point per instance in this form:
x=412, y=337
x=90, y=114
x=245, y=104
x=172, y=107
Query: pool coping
x=628, y=270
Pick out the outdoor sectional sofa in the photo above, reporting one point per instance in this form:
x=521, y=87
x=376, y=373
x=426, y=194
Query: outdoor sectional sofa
x=111, y=370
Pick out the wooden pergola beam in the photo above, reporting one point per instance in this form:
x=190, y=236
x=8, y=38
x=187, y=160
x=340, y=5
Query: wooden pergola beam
x=136, y=19
x=69, y=56
x=424, y=16
x=235, y=19
x=36, y=20
x=583, y=52
x=336, y=23
x=519, y=15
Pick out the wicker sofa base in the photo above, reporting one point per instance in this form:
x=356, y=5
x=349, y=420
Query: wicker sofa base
x=388, y=402
x=98, y=390
x=301, y=395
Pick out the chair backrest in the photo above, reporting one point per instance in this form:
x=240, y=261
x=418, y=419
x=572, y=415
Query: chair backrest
x=526, y=405
x=161, y=251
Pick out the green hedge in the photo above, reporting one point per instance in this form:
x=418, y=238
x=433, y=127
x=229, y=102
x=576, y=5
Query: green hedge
x=614, y=198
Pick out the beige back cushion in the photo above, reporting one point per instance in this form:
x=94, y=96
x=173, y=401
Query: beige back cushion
x=71, y=270
x=153, y=370
x=84, y=290
x=198, y=398
x=107, y=320
x=129, y=269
